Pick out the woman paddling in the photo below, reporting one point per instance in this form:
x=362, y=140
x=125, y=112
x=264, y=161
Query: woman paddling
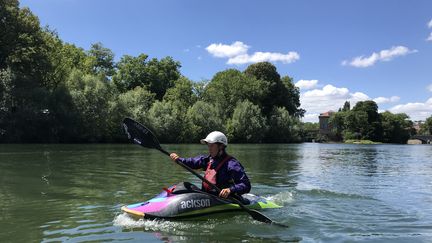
x=223, y=170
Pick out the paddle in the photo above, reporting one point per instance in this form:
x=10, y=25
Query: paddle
x=141, y=135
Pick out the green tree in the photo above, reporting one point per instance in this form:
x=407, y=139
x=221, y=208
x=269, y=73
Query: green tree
x=372, y=129
x=247, y=123
x=283, y=128
x=90, y=98
x=135, y=103
x=356, y=123
x=426, y=127
x=277, y=92
x=397, y=128
x=337, y=122
x=202, y=118
x=167, y=121
x=181, y=92
x=292, y=98
x=346, y=106
x=231, y=86
x=156, y=76
x=101, y=60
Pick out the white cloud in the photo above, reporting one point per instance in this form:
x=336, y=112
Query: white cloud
x=429, y=87
x=263, y=57
x=384, y=55
x=237, y=54
x=429, y=37
x=430, y=24
x=221, y=50
x=306, y=84
x=416, y=111
x=328, y=98
x=384, y=100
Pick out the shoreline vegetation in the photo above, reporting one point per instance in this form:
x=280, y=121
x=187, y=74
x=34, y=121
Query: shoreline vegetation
x=56, y=92
x=353, y=141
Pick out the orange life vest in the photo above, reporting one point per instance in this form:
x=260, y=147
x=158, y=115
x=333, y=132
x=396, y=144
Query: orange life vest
x=210, y=174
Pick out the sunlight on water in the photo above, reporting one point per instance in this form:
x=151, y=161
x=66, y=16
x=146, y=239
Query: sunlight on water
x=282, y=198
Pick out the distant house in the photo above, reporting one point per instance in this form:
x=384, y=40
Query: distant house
x=325, y=127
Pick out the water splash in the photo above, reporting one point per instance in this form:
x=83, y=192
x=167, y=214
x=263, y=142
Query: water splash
x=281, y=198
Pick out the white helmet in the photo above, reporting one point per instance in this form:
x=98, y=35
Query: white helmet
x=215, y=137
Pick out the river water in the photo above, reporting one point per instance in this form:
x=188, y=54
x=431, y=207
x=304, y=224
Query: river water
x=329, y=193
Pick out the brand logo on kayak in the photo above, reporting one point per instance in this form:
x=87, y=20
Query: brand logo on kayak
x=201, y=203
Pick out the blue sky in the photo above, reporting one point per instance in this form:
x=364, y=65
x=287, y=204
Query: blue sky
x=333, y=50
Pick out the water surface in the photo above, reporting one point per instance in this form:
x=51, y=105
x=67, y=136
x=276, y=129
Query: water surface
x=329, y=193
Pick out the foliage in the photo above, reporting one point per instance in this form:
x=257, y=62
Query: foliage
x=166, y=121
x=277, y=92
x=51, y=91
x=396, y=127
x=371, y=128
x=157, y=76
x=247, y=123
x=337, y=122
x=283, y=128
x=426, y=127
x=231, y=86
x=202, y=118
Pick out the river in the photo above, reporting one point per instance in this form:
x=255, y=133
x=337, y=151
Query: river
x=329, y=193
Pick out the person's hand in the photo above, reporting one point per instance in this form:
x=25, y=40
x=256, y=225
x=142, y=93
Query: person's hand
x=225, y=193
x=174, y=156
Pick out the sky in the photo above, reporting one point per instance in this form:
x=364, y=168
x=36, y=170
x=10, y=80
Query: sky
x=335, y=50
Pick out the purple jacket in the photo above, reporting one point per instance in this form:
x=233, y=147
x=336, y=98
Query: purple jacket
x=231, y=174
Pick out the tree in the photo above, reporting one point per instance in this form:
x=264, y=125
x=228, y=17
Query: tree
x=156, y=76
x=426, y=127
x=277, y=92
x=101, y=60
x=231, y=86
x=165, y=119
x=372, y=129
x=135, y=103
x=181, y=92
x=396, y=127
x=202, y=118
x=90, y=98
x=292, y=98
x=283, y=127
x=337, y=122
x=346, y=106
x=247, y=123
x=356, y=123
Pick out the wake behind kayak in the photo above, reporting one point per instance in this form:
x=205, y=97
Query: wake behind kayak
x=186, y=200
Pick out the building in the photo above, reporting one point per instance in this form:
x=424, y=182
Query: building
x=325, y=127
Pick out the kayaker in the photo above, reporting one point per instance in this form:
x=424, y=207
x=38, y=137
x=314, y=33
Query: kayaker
x=223, y=170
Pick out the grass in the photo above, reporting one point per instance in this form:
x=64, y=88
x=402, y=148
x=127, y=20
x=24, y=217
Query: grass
x=354, y=141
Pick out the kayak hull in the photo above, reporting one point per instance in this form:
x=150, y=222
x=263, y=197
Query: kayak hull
x=185, y=200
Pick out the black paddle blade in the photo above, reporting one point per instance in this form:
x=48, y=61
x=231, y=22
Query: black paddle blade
x=140, y=134
x=262, y=218
x=259, y=216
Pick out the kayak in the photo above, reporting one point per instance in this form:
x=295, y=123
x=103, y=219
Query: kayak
x=186, y=200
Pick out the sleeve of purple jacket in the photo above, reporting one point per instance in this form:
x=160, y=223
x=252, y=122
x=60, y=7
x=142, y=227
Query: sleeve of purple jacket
x=241, y=181
x=198, y=162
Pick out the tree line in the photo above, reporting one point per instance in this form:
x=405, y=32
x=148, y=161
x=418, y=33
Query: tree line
x=364, y=122
x=52, y=91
